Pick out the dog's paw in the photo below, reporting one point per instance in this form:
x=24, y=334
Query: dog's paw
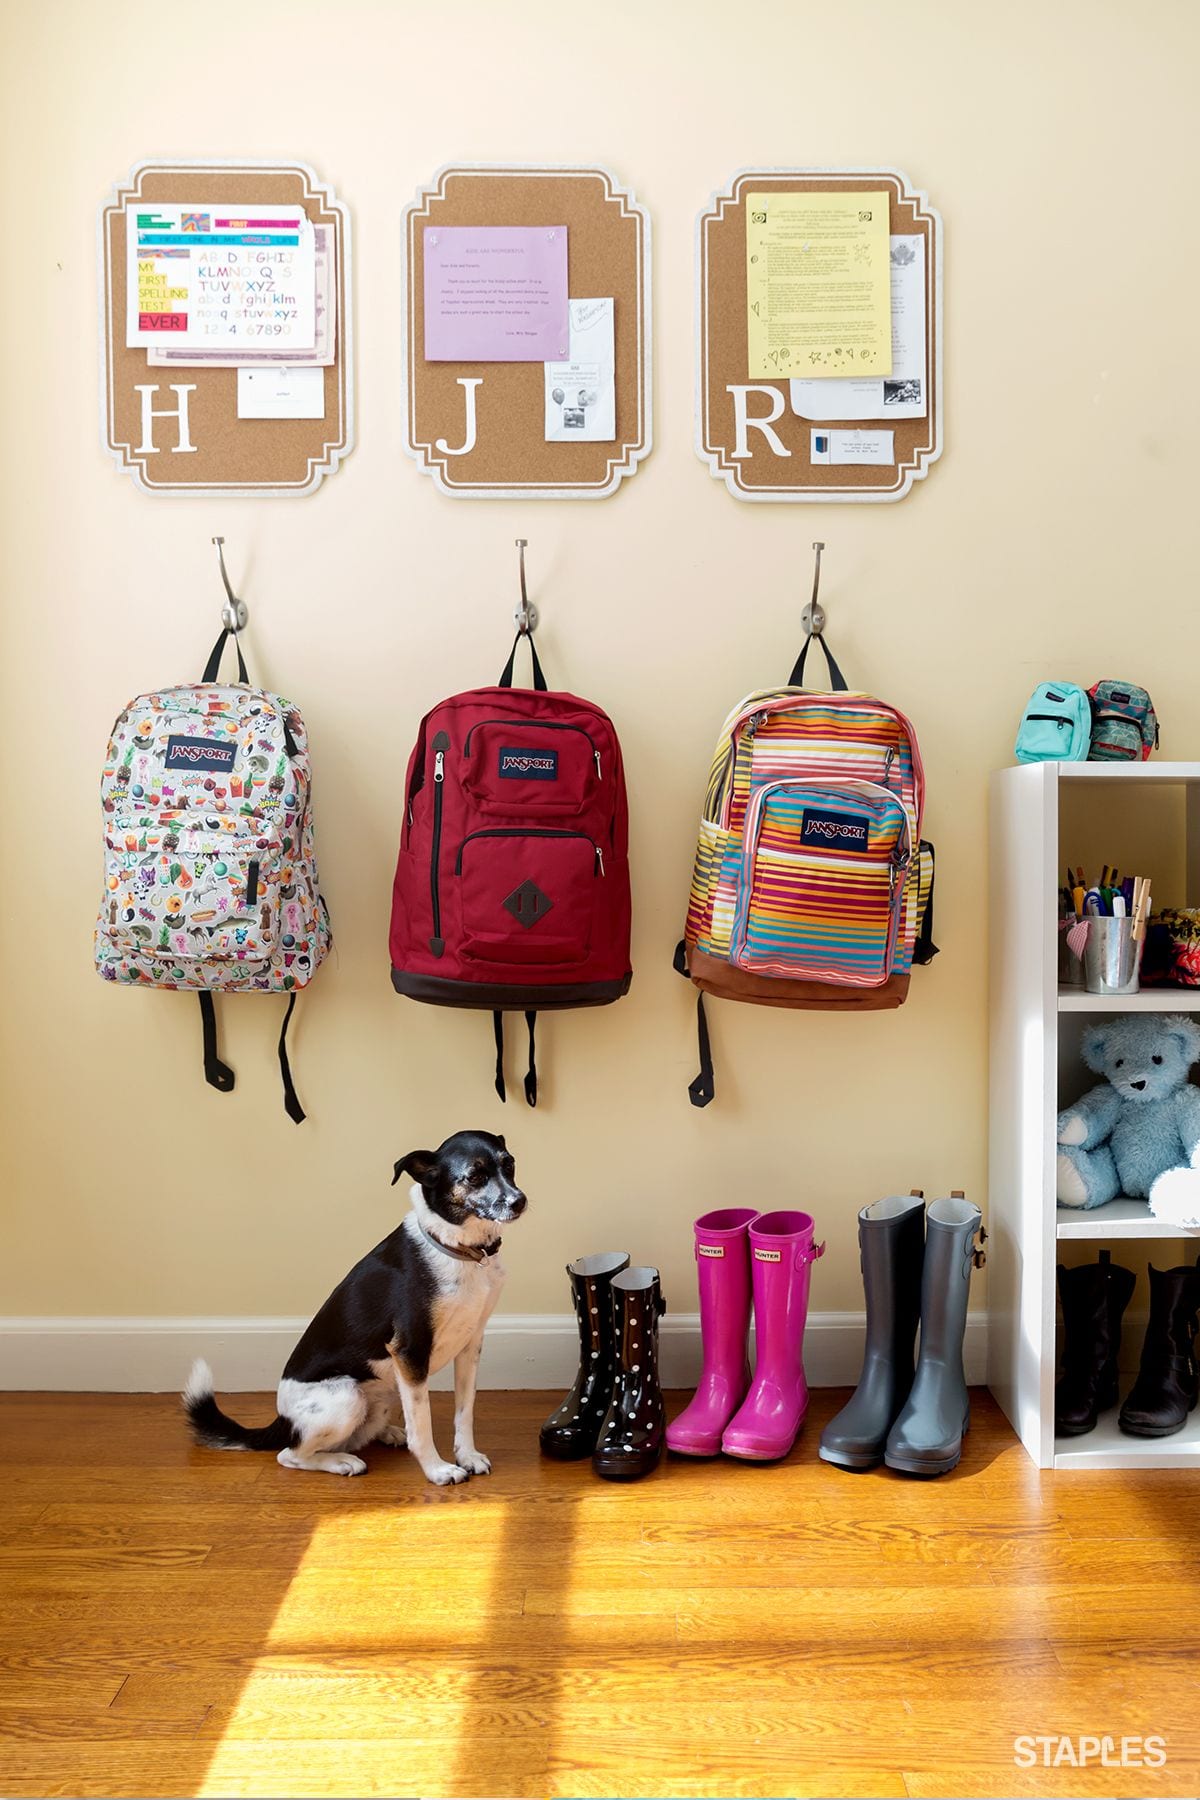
x=346, y=1465
x=473, y=1461
x=394, y=1437
x=444, y=1474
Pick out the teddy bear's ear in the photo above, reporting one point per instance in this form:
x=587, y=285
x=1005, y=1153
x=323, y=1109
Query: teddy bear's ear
x=1186, y=1033
x=1094, y=1045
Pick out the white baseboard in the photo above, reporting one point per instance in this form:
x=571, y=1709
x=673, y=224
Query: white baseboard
x=522, y=1350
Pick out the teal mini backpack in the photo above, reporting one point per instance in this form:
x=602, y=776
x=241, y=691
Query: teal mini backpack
x=1056, y=726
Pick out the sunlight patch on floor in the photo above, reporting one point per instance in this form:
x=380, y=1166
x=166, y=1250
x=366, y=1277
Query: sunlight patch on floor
x=378, y=1597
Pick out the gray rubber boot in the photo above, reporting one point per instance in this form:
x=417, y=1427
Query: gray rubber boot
x=891, y=1245
x=927, y=1437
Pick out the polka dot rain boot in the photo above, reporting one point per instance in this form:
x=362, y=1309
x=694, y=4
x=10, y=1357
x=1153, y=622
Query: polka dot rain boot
x=570, y=1432
x=634, y=1430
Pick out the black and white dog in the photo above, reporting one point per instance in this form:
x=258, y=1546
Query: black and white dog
x=422, y=1297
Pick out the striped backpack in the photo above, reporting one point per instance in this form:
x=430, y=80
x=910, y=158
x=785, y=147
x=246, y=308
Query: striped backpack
x=812, y=886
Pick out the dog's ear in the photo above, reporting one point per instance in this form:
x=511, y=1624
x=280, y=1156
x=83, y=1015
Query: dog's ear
x=420, y=1164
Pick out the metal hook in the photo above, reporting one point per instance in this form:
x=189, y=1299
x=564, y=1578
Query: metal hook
x=235, y=614
x=813, y=616
x=525, y=618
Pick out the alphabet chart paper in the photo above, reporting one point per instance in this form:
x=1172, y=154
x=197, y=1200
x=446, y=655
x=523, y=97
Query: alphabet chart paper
x=164, y=355
x=220, y=277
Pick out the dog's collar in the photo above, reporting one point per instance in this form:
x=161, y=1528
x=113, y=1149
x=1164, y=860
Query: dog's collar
x=464, y=1252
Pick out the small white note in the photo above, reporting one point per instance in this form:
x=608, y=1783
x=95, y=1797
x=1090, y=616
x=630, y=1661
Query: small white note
x=279, y=392
x=852, y=447
x=581, y=393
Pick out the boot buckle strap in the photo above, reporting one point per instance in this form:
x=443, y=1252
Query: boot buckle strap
x=813, y=1253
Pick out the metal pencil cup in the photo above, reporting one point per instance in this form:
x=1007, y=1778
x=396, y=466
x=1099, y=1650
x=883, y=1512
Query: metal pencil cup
x=1111, y=957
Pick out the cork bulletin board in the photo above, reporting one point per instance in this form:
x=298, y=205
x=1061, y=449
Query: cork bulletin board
x=184, y=435
x=752, y=466
x=479, y=428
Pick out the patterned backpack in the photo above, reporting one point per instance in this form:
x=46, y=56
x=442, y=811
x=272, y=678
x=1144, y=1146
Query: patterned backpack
x=812, y=885
x=209, y=867
x=1124, y=723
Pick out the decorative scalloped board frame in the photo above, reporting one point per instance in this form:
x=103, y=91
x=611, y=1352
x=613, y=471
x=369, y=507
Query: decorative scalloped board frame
x=721, y=353
x=271, y=458
x=609, y=251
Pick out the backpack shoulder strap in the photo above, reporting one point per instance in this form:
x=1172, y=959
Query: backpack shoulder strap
x=837, y=680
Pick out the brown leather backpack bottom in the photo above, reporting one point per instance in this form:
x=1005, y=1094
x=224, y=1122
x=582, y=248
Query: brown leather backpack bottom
x=714, y=976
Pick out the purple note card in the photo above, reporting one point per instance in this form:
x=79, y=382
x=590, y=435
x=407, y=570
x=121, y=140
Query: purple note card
x=496, y=293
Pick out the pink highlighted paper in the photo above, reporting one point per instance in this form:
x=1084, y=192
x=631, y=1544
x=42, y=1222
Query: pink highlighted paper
x=496, y=293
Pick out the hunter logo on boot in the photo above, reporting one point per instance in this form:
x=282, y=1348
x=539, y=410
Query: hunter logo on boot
x=710, y=1249
x=767, y=1255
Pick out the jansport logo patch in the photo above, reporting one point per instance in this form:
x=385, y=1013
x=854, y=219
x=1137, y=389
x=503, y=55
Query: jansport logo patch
x=528, y=765
x=833, y=831
x=200, y=753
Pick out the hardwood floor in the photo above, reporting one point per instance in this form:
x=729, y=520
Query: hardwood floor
x=186, y=1622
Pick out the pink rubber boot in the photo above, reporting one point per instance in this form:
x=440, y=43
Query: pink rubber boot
x=782, y=1253
x=723, y=1275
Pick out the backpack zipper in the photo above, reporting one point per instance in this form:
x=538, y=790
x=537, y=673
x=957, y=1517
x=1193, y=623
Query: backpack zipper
x=1049, y=719
x=523, y=831
x=536, y=725
x=441, y=744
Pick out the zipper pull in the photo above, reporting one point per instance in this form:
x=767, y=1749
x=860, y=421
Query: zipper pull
x=439, y=766
x=888, y=760
x=596, y=754
x=599, y=860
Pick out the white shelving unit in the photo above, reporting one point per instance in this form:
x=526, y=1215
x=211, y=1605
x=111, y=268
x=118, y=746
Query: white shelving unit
x=1035, y=1069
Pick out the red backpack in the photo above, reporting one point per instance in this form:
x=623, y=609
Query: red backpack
x=512, y=884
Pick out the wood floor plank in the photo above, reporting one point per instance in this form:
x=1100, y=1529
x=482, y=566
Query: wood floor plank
x=182, y=1622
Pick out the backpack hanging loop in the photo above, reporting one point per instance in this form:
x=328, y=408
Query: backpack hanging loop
x=813, y=616
x=525, y=618
x=235, y=614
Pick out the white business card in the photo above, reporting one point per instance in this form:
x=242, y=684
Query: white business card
x=852, y=447
x=279, y=392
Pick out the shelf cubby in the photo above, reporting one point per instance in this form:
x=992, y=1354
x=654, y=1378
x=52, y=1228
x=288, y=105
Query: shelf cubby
x=1043, y=815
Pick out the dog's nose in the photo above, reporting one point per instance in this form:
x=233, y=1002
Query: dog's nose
x=518, y=1205
x=1139, y=1085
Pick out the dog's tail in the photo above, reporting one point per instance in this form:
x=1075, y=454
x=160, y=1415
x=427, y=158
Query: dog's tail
x=212, y=1428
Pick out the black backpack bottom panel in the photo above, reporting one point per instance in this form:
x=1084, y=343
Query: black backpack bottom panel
x=502, y=996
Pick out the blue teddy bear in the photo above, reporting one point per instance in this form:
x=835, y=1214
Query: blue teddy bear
x=1142, y=1120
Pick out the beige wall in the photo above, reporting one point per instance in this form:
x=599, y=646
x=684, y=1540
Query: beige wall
x=1055, y=537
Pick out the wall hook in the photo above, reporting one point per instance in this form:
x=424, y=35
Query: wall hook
x=525, y=618
x=813, y=616
x=235, y=614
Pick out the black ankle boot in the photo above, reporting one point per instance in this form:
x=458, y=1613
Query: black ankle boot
x=1166, y=1388
x=572, y=1428
x=634, y=1430
x=1094, y=1297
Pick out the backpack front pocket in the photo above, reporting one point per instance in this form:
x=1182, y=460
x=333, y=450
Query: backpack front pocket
x=191, y=896
x=821, y=882
x=1048, y=737
x=527, y=896
x=530, y=766
x=1116, y=738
